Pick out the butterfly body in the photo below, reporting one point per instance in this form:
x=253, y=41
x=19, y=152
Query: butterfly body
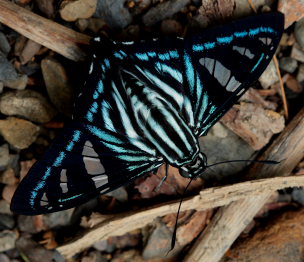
x=144, y=104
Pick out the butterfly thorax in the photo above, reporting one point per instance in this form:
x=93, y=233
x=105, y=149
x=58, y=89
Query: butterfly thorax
x=195, y=168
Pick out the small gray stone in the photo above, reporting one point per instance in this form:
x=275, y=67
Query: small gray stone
x=57, y=83
x=270, y=76
x=32, y=250
x=6, y=222
x=163, y=10
x=300, y=74
x=298, y=195
x=158, y=243
x=114, y=13
x=299, y=32
x=19, y=133
x=297, y=53
x=4, y=157
x=27, y=224
x=5, y=207
x=7, y=71
x=30, y=49
x=28, y=104
x=57, y=219
x=221, y=144
x=19, y=83
x=5, y=47
x=4, y=258
x=7, y=240
x=288, y=64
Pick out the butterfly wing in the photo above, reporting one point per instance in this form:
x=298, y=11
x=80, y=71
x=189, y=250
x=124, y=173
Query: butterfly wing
x=202, y=76
x=84, y=162
x=102, y=149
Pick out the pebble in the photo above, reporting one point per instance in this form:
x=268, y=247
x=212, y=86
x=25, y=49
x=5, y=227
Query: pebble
x=8, y=176
x=114, y=12
x=58, y=219
x=59, y=88
x=292, y=83
x=4, y=160
x=32, y=250
x=93, y=256
x=7, y=71
x=297, y=53
x=243, y=8
x=8, y=192
x=46, y=7
x=299, y=32
x=139, y=6
x=19, y=84
x=7, y=240
x=6, y=222
x=5, y=47
x=28, y=224
x=288, y=64
x=292, y=9
x=96, y=24
x=5, y=207
x=231, y=147
x=300, y=74
x=30, y=49
x=19, y=133
x=298, y=195
x=4, y=258
x=171, y=27
x=158, y=243
x=28, y=104
x=163, y=10
x=72, y=10
x=82, y=24
x=269, y=76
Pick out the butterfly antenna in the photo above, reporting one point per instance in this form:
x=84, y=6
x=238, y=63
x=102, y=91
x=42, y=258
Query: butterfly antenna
x=173, y=240
x=268, y=162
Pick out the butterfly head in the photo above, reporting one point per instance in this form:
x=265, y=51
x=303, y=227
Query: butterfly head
x=195, y=168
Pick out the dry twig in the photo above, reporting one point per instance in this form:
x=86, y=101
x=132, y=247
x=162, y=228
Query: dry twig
x=208, y=198
x=60, y=39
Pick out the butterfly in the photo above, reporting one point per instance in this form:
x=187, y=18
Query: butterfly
x=146, y=103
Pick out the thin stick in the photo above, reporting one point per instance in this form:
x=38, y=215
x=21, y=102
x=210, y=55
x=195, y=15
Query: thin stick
x=60, y=39
x=252, y=6
x=208, y=198
x=231, y=220
x=283, y=94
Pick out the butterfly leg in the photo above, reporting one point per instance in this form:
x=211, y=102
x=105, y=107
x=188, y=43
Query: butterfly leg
x=163, y=179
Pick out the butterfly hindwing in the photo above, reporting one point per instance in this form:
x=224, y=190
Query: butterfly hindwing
x=79, y=166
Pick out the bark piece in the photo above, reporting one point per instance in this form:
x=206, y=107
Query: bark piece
x=253, y=123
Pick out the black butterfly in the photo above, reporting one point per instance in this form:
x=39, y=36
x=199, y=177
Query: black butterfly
x=144, y=104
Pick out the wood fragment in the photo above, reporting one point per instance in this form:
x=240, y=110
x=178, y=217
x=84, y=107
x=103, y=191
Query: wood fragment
x=283, y=94
x=231, y=220
x=208, y=198
x=60, y=39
